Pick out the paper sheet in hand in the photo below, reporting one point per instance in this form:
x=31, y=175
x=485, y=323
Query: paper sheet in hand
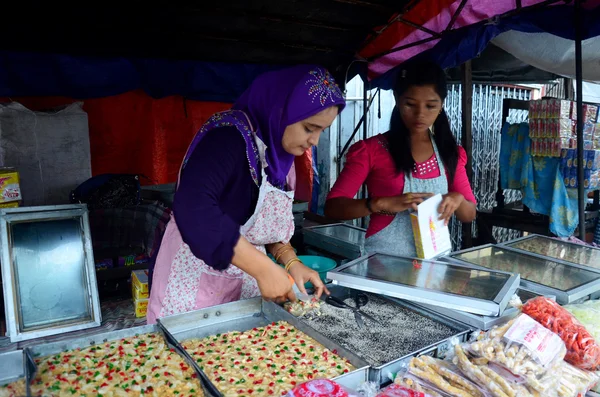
x=432, y=237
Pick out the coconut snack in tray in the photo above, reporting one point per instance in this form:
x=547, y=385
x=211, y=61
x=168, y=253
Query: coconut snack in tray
x=264, y=361
x=139, y=365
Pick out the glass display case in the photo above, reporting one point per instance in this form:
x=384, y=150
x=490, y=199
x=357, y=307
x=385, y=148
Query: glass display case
x=452, y=286
x=552, y=248
x=339, y=239
x=566, y=282
x=48, y=271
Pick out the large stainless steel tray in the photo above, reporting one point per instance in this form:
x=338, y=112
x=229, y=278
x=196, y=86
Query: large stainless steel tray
x=568, y=282
x=459, y=287
x=543, y=247
x=482, y=322
x=250, y=313
x=378, y=373
x=339, y=239
x=84, y=342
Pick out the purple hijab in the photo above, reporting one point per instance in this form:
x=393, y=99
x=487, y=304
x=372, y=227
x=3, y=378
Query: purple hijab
x=277, y=99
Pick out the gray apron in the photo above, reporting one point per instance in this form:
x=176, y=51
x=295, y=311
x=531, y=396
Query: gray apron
x=397, y=238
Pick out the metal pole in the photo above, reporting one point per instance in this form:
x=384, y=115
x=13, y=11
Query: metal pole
x=579, y=84
x=467, y=137
x=365, y=133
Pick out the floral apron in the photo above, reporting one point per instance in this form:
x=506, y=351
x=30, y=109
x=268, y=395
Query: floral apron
x=181, y=282
x=397, y=238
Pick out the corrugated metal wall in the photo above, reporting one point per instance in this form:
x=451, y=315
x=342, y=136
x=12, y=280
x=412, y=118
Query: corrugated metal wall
x=487, y=119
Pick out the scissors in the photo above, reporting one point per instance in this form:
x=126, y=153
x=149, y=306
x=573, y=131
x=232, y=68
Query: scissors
x=360, y=300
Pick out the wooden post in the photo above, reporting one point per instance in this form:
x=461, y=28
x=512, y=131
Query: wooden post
x=467, y=137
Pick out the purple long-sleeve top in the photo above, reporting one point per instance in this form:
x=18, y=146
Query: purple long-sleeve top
x=216, y=195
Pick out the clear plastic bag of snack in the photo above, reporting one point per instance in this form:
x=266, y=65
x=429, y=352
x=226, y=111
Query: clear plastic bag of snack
x=582, y=349
x=417, y=384
x=442, y=377
x=573, y=381
x=588, y=314
x=395, y=390
x=511, y=359
x=497, y=381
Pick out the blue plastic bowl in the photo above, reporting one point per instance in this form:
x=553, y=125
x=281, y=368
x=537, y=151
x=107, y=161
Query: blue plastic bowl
x=320, y=264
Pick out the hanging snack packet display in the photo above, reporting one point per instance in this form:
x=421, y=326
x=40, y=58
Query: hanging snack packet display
x=582, y=350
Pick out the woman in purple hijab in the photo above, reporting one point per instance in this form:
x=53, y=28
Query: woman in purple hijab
x=232, y=205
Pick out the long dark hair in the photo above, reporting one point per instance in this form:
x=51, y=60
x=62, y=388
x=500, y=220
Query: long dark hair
x=421, y=74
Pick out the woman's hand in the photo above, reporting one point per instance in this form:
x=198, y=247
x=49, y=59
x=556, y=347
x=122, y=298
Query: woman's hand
x=400, y=203
x=302, y=274
x=449, y=205
x=275, y=285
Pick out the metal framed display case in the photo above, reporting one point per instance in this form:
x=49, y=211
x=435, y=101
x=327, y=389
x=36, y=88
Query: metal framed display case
x=339, y=239
x=567, y=282
x=458, y=287
x=553, y=249
x=481, y=322
x=48, y=349
x=250, y=313
x=48, y=271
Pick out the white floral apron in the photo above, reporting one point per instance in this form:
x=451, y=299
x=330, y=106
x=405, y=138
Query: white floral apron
x=181, y=282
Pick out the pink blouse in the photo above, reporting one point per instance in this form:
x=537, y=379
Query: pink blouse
x=369, y=161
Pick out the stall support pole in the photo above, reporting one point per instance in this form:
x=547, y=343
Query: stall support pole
x=581, y=197
x=467, y=137
x=363, y=221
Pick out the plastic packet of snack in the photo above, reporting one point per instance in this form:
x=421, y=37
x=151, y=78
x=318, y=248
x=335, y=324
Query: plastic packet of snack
x=395, y=390
x=582, y=350
x=509, y=361
x=320, y=388
x=417, y=384
x=572, y=381
x=445, y=377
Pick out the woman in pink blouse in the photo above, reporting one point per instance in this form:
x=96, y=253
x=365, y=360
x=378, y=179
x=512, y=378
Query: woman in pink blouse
x=416, y=159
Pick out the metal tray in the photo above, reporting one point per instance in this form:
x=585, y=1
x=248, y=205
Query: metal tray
x=12, y=366
x=339, y=239
x=47, y=349
x=482, y=322
x=378, y=373
x=580, y=282
x=250, y=313
x=459, y=287
x=586, y=257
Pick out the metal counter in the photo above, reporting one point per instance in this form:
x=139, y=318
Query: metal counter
x=568, y=282
x=247, y=314
x=339, y=239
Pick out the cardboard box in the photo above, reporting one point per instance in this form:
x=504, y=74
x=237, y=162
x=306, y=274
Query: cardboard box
x=136, y=294
x=141, y=307
x=432, y=237
x=139, y=279
x=10, y=190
